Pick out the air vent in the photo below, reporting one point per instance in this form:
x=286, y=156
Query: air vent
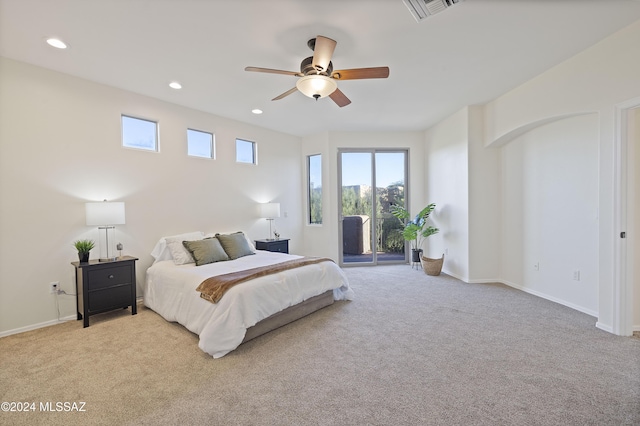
x=421, y=9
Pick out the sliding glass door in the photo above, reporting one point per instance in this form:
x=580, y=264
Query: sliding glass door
x=370, y=181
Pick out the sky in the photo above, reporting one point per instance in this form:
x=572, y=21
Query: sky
x=356, y=168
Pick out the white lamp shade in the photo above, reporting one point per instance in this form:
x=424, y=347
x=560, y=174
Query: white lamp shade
x=316, y=86
x=105, y=213
x=270, y=210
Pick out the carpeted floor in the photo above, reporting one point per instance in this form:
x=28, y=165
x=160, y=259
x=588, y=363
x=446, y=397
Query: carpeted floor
x=409, y=350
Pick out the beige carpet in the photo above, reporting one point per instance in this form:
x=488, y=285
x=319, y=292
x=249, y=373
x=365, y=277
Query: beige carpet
x=410, y=350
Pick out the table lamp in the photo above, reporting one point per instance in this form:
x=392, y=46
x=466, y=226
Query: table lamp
x=105, y=215
x=270, y=211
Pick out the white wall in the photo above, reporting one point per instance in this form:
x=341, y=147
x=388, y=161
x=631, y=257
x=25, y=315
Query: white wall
x=552, y=167
x=60, y=146
x=485, y=202
x=550, y=199
x=596, y=80
x=463, y=179
x=447, y=165
x=317, y=240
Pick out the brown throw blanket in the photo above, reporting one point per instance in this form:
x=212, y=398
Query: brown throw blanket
x=213, y=288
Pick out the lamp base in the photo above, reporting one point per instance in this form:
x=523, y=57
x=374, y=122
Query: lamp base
x=270, y=219
x=107, y=244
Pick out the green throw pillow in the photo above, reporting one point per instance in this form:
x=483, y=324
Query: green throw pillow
x=206, y=251
x=235, y=245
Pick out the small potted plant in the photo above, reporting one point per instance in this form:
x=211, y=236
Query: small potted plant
x=416, y=229
x=83, y=247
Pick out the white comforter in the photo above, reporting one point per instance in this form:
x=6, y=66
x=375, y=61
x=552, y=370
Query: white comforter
x=170, y=291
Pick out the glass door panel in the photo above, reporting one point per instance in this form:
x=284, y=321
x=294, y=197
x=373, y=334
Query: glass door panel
x=356, y=207
x=370, y=182
x=390, y=189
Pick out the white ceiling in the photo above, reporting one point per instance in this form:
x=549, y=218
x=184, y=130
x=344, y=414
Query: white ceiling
x=469, y=54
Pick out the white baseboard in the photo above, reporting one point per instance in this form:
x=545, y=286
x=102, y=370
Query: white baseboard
x=604, y=327
x=599, y=325
x=36, y=326
x=468, y=281
x=72, y=317
x=551, y=298
x=484, y=281
x=451, y=274
x=535, y=293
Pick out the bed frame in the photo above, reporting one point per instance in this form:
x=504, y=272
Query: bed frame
x=290, y=314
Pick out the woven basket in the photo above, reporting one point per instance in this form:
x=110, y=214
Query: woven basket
x=432, y=266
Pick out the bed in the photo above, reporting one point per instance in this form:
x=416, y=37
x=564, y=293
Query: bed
x=246, y=310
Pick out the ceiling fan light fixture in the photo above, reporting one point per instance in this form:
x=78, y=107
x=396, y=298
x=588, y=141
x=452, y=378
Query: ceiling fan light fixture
x=316, y=86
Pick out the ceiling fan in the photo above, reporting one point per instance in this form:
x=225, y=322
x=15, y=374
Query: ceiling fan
x=317, y=77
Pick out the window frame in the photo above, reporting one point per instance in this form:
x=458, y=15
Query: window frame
x=309, y=190
x=254, y=150
x=212, y=147
x=156, y=147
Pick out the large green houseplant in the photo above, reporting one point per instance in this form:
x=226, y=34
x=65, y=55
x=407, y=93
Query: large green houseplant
x=416, y=229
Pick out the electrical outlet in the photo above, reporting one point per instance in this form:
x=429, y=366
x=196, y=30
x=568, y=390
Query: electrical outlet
x=54, y=287
x=576, y=275
x=536, y=266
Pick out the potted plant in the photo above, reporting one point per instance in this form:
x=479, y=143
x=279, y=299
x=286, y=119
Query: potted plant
x=416, y=229
x=83, y=247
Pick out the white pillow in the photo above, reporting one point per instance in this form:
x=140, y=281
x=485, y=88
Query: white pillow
x=162, y=251
x=251, y=246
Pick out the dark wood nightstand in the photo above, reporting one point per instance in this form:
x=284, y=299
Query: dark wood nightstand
x=104, y=286
x=280, y=246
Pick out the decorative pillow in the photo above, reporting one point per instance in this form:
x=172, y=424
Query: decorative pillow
x=206, y=251
x=179, y=253
x=235, y=245
x=251, y=246
x=161, y=250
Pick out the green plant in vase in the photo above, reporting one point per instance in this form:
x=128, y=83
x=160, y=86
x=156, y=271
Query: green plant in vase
x=84, y=247
x=416, y=229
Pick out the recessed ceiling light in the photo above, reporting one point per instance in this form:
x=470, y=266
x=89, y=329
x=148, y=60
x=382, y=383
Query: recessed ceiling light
x=256, y=111
x=175, y=85
x=56, y=43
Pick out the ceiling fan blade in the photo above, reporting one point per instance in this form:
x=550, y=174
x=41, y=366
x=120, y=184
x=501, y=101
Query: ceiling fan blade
x=361, y=73
x=285, y=94
x=322, y=52
x=272, y=71
x=339, y=98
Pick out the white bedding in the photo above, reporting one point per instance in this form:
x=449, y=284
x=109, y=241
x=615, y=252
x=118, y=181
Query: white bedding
x=170, y=291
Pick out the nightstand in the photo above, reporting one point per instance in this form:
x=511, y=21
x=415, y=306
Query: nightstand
x=104, y=286
x=280, y=246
